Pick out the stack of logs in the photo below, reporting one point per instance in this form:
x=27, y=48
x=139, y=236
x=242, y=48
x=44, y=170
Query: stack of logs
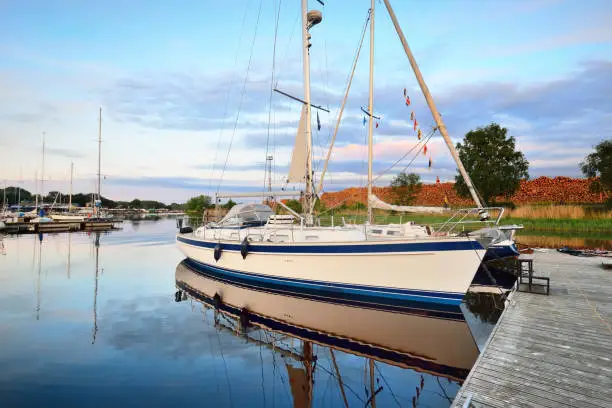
x=557, y=190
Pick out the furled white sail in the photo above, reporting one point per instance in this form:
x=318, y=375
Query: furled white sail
x=297, y=169
x=376, y=202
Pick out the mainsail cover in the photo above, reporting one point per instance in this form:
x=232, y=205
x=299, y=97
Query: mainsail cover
x=376, y=202
x=297, y=169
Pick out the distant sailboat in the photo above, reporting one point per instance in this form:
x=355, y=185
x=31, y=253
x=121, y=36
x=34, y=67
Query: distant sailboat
x=98, y=218
x=39, y=211
x=69, y=216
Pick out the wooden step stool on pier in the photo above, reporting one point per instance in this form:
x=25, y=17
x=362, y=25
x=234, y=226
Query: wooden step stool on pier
x=530, y=281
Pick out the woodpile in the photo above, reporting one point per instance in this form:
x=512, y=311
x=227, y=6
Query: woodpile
x=557, y=190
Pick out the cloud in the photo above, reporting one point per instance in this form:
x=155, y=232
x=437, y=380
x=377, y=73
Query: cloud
x=71, y=154
x=590, y=35
x=566, y=115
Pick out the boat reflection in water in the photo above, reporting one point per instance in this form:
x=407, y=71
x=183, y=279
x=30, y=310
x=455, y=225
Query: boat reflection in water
x=433, y=342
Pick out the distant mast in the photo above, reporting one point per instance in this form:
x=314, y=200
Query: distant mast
x=99, y=151
x=42, y=173
x=36, y=188
x=71, y=174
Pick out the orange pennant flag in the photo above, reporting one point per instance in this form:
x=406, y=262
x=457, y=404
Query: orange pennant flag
x=407, y=101
x=419, y=134
x=416, y=124
x=425, y=150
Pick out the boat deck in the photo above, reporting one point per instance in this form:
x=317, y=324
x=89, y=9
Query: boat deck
x=550, y=351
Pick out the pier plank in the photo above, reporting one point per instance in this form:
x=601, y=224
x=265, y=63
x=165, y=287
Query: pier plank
x=550, y=351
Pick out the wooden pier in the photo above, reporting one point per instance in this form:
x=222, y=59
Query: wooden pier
x=53, y=227
x=550, y=351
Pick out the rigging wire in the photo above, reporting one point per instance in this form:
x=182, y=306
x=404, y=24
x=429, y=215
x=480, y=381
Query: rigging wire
x=277, y=15
x=340, y=108
x=246, y=78
x=388, y=385
x=227, y=96
x=422, y=144
x=294, y=25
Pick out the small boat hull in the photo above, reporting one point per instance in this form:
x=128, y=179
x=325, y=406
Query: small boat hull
x=395, y=273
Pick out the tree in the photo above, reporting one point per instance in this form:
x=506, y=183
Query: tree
x=13, y=193
x=198, y=204
x=405, y=188
x=492, y=161
x=176, y=207
x=135, y=203
x=295, y=205
x=230, y=203
x=599, y=164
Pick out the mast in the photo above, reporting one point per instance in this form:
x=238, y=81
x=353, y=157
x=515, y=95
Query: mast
x=19, y=192
x=269, y=161
x=71, y=173
x=371, y=111
x=432, y=106
x=99, y=150
x=36, y=188
x=306, y=60
x=42, y=173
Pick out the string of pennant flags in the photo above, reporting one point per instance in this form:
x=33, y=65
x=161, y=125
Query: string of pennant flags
x=416, y=127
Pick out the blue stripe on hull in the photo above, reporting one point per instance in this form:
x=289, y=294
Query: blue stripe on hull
x=326, y=248
x=367, y=294
x=437, y=310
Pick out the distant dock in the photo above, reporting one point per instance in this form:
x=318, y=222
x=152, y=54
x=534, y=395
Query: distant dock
x=550, y=351
x=52, y=227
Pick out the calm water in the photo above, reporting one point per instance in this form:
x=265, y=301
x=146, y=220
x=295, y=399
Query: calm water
x=94, y=320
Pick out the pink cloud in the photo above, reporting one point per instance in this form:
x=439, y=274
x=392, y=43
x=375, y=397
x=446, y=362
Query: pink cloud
x=389, y=150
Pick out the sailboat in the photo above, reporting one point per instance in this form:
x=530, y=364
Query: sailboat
x=97, y=219
x=364, y=263
x=68, y=216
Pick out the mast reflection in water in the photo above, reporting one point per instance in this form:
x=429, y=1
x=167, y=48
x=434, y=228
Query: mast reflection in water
x=324, y=343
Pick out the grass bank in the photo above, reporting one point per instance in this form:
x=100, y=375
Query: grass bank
x=533, y=218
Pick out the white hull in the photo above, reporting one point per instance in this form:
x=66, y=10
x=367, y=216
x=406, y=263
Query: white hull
x=426, y=343
x=426, y=270
x=67, y=218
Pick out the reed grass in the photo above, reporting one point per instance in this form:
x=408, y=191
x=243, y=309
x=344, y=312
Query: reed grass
x=566, y=218
x=567, y=212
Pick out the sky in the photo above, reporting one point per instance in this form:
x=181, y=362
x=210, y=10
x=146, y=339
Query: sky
x=187, y=107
